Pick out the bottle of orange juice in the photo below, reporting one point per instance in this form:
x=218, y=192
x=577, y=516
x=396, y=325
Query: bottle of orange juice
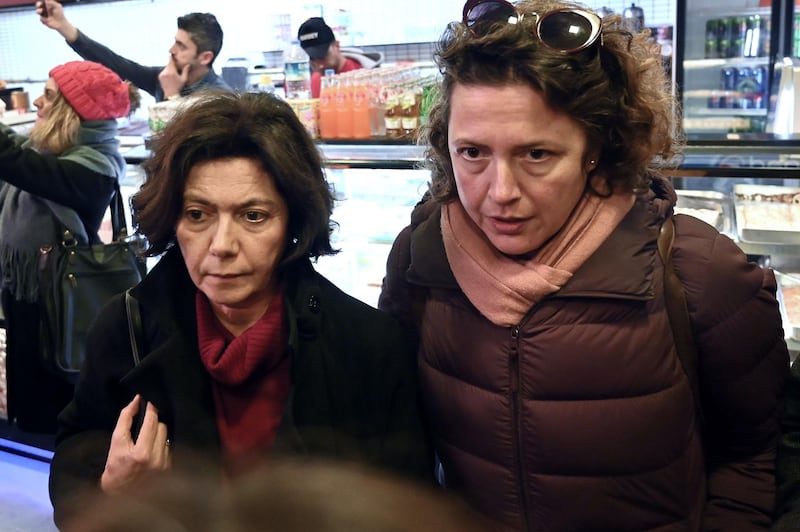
x=344, y=107
x=327, y=106
x=361, y=125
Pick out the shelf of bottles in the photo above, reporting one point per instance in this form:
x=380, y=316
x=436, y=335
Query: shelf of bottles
x=386, y=103
x=725, y=88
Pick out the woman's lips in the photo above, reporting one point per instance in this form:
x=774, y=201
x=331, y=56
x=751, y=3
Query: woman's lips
x=507, y=225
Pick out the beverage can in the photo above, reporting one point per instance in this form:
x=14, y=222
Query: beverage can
x=760, y=80
x=724, y=36
x=738, y=31
x=715, y=100
x=711, y=38
x=751, y=36
x=796, y=34
x=728, y=80
x=745, y=87
x=764, y=37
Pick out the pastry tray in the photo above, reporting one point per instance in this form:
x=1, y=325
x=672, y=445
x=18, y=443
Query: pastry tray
x=767, y=214
x=714, y=208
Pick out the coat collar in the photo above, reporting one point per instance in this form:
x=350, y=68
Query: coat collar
x=172, y=375
x=622, y=267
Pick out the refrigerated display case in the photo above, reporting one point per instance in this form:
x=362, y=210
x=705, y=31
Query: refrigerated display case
x=725, y=58
x=376, y=187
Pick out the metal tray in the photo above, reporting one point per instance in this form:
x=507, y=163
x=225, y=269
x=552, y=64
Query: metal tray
x=767, y=214
x=714, y=208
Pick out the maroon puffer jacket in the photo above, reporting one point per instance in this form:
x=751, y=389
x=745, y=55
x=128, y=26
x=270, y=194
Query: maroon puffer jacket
x=581, y=417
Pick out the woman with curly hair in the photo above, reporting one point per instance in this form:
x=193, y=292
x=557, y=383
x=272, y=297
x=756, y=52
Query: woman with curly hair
x=531, y=277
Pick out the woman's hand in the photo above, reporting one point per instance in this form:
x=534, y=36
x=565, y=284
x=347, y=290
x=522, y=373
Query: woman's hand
x=129, y=461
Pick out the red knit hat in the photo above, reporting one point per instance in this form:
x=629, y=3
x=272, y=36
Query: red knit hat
x=95, y=92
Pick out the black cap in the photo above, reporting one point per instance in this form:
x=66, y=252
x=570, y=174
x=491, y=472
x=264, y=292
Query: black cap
x=315, y=37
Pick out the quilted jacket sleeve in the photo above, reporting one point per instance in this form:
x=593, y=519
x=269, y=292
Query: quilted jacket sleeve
x=743, y=365
x=395, y=296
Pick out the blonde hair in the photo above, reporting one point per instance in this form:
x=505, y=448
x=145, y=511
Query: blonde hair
x=60, y=130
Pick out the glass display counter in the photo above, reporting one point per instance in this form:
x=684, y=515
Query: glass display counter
x=377, y=185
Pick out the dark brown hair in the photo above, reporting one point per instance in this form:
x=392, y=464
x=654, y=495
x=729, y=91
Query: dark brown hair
x=221, y=125
x=616, y=90
x=205, y=32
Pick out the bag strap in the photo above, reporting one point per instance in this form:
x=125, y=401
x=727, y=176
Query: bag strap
x=119, y=226
x=134, y=326
x=678, y=314
x=72, y=223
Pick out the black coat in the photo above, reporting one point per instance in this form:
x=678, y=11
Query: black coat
x=353, y=382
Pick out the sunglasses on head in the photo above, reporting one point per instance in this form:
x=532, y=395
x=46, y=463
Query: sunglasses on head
x=564, y=30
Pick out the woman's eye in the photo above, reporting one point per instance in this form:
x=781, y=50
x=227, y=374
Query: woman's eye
x=254, y=216
x=470, y=152
x=537, y=155
x=194, y=215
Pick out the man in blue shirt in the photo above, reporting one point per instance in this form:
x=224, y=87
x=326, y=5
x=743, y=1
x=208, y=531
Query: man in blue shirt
x=189, y=69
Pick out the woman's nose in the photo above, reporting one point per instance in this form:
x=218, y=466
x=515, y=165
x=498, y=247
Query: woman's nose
x=223, y=241
x=504, y=186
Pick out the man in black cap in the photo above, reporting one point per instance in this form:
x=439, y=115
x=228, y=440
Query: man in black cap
x=325, y=52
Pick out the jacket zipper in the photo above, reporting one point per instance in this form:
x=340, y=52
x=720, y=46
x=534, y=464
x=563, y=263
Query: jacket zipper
x=515, y=413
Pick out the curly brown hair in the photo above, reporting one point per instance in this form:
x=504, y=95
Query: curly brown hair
x=616, y=90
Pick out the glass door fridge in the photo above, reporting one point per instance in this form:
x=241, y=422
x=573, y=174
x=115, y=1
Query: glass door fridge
x=726, y=54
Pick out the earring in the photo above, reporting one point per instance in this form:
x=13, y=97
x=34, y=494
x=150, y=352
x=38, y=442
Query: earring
x=592, y=162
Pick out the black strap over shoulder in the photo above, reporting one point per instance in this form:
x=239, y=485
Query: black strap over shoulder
x=134, y=326
x=678, y=313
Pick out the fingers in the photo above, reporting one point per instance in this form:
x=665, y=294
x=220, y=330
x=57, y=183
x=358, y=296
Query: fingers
x=152, y=440
x=122, y=431
x=129, y=461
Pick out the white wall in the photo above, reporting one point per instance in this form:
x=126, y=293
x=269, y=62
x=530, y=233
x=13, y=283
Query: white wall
x=143, y=30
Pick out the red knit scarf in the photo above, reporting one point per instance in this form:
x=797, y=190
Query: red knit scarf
x=250, y=379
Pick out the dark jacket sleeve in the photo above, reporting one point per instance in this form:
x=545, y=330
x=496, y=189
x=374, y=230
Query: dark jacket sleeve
x=50, y=177
x=395, y=298
x=358, y=376
x=86, y=424
x=144, y=77
x=743, y=365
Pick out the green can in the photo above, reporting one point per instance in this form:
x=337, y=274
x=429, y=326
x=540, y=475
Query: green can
x=712, y=29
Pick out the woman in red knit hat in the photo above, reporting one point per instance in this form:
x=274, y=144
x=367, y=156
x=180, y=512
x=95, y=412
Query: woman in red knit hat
x=63, y=174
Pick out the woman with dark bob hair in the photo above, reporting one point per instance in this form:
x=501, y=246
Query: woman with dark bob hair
x=245, y=351
x=532, y=277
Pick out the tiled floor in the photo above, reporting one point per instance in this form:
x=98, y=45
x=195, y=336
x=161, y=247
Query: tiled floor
x=24, y=502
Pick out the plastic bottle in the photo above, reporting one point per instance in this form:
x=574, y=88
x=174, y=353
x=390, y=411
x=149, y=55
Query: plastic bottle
x=265, y=84
x=344, y=108
x=361, y=125
x=327, y=105
x=376, y=106
x=297, y=81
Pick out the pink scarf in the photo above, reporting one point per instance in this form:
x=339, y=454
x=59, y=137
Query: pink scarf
x=505, y=289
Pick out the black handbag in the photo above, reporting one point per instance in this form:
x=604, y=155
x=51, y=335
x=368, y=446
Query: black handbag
x=75, y=281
